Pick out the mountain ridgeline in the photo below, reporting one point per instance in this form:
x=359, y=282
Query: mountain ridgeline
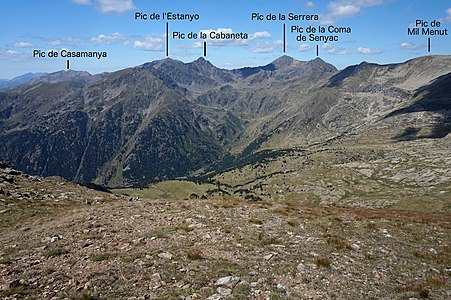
x=168, y=119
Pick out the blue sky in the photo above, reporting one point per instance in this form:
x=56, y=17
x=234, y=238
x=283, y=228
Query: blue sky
x=378, y=32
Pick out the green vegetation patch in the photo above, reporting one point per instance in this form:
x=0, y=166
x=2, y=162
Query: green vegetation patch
x=171, y=189
x=103, y=256
x=58, y=251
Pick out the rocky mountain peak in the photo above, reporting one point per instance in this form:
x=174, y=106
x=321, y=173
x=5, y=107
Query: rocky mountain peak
x=161, y=62
x=318, y=63
x=198, y=113
x=284, y=61
x=201, y=61
x=64, y=75
x=201, y=64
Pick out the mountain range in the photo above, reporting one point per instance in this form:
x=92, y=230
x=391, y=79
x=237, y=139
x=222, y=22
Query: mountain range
x=19, y=80
x=168, y=119
x=292, y=180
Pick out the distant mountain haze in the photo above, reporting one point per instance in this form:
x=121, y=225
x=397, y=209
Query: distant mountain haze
x=5, y=83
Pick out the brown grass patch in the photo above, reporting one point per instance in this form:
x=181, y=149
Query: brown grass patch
x=323, y=261
x=256, y=221
x=195, y=254
x=338, y=242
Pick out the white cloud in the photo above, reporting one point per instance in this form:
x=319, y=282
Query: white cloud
x=115, y=6
x=335, y=51
x=409, y=46
x=227, y=42
x=267, y=47
x=260, y=35
x=448, y=14
x=55, y=42
x=217, y=42
x=309, y=4
x=341, y=9
x=13, y=54
x=252, y=40
x=72, y=40
x=364, y=50
x=82, y=2
x=197, y=45
x=304, y=47
x=326, y=19
x=23, y=45
x=115, y=38
x=109, y=6
x=150, y=43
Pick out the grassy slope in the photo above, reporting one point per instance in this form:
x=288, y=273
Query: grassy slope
x=171, y=189
x=370, y=170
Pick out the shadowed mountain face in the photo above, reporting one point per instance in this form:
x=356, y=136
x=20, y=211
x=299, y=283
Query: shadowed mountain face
x=435, y=96
x=130, y=128
x=432, y=98
x=168, y=119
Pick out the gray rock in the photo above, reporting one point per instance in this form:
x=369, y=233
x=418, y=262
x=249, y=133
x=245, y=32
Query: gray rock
x=6, y=178
x=224, y=291
x=197, y=225
x=193, y=297
x=12, y=171
x=215, y=297
x=268, y=257
x=51, y=239
x=433, y=251
x=228, y=281
x=355, y=247
x=301, y=268
x=138, y=241
x=165, y=255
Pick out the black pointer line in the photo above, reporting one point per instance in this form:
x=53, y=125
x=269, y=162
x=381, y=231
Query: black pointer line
x=167, y=39
x=284, y=39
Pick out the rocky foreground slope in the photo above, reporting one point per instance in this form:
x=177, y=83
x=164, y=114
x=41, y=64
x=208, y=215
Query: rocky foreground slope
x=63, y=241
